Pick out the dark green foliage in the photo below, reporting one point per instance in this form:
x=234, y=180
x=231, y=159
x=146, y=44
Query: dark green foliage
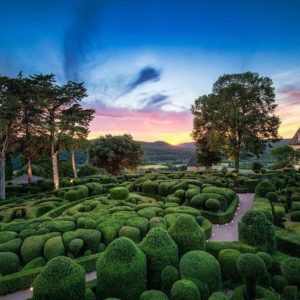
x=121, y=271
x=263, y=188
x=35, y=263
x=75, y=246
x=150, y=187
x=9, y=263
x=203, y=269
x=161, y=251
x=218, y=296
x=290, y=269
x=119, y=193
x=153, y=295
x=77, y=193
x=26, y=233
x=190, y=193
x=228, y=259
x=54, y=247
x=279, y=283
x=212, y=204
x=62, y=279
x=33, y=246
x=256, y=230
x=11, y=246
x=157, y=221
x=140, y=223
x=185, y=289
x=89, y=294
x=240, y=293
x=6, y=236
x=187, y=234
x=132, y=233
x=295, y=216
x=250, y=267
x=88, y=170
x=267, y=259
x=290, y=293
x=169, y=276
x=58, y=225
x=91, y=238
x=95, y=188
x=256, y=166
x=250, y=184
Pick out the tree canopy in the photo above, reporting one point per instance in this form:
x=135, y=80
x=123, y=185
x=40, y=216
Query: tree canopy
x=115, y=153
x=238, y=116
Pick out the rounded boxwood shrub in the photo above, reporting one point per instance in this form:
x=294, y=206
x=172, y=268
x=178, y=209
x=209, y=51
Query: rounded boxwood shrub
x=218, y=296
x=54, y=247
x=119, y=193
x=256, y=230
x=202, y=268
x=263, y=188
x=212, y=204
x=190, y=193
x=91, y=238
x=157, y=222
x=187, y=234
x=169, y=276
x=180, y=194
x=295, y=216
x=198, y=200
x=150, y=187
x=132, y=233
x=35, y=263
x=185, y=289
x=228, y=259
x=153, y=294
x=11, y=246
x=121, y=271
x=9, y=263
x=290, y=269
x=6, y=236
x=279, y=283
x=26, y=233
x=62, y=279
x=290, y=293
x=161, y=251
x=140, y=223
x=250, y=267
x=267, y=259
x=75, y=246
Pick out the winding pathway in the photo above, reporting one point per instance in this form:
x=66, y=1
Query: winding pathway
x=229, y=232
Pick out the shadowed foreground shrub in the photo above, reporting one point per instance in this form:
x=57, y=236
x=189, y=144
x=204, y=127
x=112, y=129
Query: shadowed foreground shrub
x=185, y=289
x=62, y=279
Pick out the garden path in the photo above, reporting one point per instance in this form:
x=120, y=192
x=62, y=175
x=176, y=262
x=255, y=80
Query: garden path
x=229, y=232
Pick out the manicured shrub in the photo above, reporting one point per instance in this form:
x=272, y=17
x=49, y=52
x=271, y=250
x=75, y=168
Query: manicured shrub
x=119, y=193
x=121, y=271
x=157, y=222
x=212, y=204
x=290, y=293
x=279, y=283
x=187, y=234
x=263, y=188
x=150, y=187
x=295, y=216
x=35, y=263
x=228, y=259
x=185, y=289
x=250, y=267
x=267, y=259
x=203, y=269
x=153, y=294
x=58, y=225
x=9, y=263
x=169, y=276
x=173, y=199
x=95, y=188
x=180, y=194
x=54, y=247
x=77, y=193
x=91, y=238
x=33, y=246
x=198, y=200
x=190, y=193
x=161, y=251
x=11, y=246
x=290, y=269
x=140, y=223
x=26, y=233
x=256, y=230
x=132, y=233
x=6, y=236
x=75, y=246
x=62, y=279
x=88, y=170
x=226, y=193
x=218, y=296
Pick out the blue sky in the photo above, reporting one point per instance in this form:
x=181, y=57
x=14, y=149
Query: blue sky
x=155, y=57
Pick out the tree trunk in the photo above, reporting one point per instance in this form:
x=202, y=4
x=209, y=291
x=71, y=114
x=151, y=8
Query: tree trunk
x=237, y=164
x=73, y=160
x=2, y=178
x=54, y=167
x=29, y=169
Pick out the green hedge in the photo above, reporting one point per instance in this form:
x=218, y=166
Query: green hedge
x=222, y=217
x=288, y=242
x=24, y=279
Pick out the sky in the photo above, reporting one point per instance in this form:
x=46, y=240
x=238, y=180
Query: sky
x=144, y=62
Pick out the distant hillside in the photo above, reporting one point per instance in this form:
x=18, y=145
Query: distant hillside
x=162, y=152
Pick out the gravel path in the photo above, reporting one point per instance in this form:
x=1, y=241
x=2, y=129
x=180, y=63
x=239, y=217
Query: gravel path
x=229, y=232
